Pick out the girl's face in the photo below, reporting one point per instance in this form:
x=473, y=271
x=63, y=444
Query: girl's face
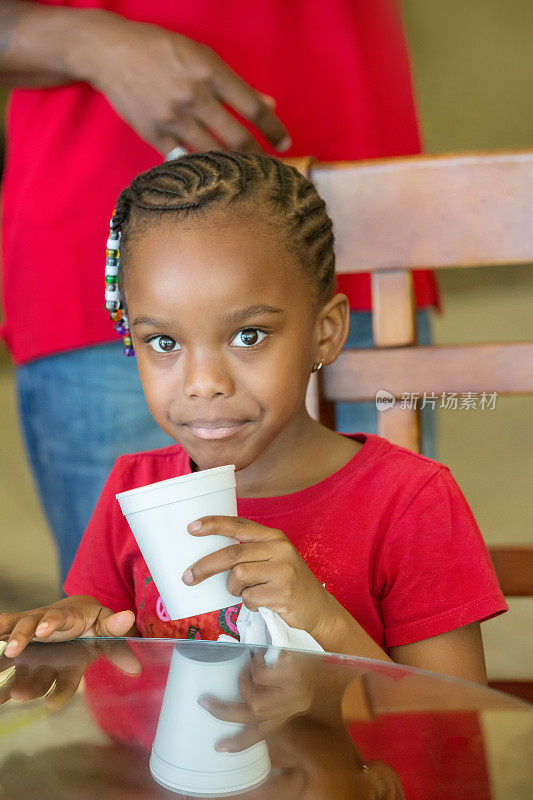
x=224, y=327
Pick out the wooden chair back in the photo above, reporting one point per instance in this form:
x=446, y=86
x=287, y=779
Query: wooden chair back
x=397, y=215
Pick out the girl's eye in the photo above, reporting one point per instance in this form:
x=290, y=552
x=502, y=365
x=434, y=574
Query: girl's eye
x=248, y=337
x=164, y=344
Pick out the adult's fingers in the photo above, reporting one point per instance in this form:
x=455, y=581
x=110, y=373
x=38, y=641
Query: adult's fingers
x=190, y=129
x=209, y=110
x=232, y=89
x=269, y=100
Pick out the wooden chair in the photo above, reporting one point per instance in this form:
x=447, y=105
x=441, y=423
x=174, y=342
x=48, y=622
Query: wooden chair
x=397, y=215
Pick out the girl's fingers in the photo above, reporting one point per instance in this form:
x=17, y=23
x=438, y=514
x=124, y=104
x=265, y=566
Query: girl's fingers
x=22, y=633
x=255, y=543
x=67, y=682
x=272, y=675
x=246, y=738
x=251, y=562
x=54, y=620
x=265, y=703
x=30, y=684
x=110, y=624
x=55, y=623
x=8, y=622
x=273, y=705
x=252, y=573
x=227, y=712
x=260, y=699
x=244, y=530
x=121, y=656
x=5, y=693
x=256, y=597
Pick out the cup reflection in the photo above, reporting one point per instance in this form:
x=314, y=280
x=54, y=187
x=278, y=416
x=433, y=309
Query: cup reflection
x=184, y=757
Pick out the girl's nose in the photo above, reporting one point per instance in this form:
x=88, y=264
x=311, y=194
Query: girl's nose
x=207, y=377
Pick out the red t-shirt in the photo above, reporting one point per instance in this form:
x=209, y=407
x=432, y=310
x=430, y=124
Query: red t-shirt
x=437, y=755
x=390, y=534
x=338, y=70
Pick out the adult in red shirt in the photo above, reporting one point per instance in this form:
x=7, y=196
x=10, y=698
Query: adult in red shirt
x=106, y=88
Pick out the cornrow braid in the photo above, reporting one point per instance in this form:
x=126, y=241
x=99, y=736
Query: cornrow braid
x=192, y=184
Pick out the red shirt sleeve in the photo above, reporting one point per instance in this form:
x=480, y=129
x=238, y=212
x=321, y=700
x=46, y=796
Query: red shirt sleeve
x=433, y=572
x=102, y=566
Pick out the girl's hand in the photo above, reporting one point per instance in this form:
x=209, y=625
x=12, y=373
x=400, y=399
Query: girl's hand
x=264, y=569
x=55, y=671
x=69, y=618
x=271, y=694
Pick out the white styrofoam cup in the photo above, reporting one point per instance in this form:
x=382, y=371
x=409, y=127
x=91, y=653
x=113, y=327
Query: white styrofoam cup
x=158, y=515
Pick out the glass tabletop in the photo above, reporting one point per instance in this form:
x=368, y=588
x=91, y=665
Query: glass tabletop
x=155, y=718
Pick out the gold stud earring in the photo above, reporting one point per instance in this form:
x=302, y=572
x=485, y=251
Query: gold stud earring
x=317, y=367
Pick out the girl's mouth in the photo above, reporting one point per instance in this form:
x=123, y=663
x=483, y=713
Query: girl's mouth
x=215, y=430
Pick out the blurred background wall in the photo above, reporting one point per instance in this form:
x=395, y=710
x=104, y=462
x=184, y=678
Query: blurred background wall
x=473, y=72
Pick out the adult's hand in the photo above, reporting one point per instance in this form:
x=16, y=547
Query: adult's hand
x=170, y=89
x=173, y=90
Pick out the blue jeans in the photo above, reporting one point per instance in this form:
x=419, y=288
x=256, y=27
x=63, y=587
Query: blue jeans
x=79, y=411
x=353, y=417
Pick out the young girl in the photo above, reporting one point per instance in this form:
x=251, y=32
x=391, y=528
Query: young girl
x=227, y=274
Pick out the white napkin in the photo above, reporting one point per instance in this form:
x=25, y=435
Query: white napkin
x=266, y=627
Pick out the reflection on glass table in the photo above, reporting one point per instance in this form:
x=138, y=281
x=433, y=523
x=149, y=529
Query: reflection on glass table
x=150, y=718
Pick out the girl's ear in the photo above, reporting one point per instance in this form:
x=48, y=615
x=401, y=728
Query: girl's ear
x=331, y=329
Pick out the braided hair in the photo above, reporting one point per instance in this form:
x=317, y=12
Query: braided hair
x=193, y=184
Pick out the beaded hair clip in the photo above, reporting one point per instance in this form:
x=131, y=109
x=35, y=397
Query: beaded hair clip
x=113, y=301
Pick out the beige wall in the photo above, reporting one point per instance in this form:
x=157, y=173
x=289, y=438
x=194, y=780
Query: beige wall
x=474, y=78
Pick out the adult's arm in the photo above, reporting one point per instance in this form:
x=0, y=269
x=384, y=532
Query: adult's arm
x=36, y=44
x=169, y=88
